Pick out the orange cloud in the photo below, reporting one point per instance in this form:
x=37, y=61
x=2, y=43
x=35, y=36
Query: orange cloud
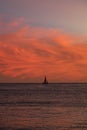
x=31, y=53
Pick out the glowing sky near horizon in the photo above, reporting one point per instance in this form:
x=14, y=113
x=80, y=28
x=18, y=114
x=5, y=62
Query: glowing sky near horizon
x=39, y=38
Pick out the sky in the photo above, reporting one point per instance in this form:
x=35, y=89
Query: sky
x=43, y=37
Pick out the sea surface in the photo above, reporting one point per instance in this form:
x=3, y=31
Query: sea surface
x=43, y=107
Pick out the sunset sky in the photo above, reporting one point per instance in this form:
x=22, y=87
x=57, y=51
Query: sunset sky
x=43, y=37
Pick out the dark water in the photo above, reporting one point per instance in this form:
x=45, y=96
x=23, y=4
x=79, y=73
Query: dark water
x=43, y=107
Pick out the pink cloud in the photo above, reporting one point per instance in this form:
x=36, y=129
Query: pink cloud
x=10, y=25
x=33, y=52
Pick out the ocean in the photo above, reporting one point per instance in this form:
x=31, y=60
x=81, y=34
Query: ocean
x=43, y=107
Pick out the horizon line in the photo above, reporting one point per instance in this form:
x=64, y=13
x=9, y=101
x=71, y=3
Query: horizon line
x=48, y=83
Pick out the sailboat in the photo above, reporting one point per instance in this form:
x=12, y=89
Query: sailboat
x=45, y=81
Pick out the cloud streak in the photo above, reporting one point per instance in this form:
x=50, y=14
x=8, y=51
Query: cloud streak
x=31, y=52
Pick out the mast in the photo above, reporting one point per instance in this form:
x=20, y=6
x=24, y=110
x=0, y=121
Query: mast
x=45, y=81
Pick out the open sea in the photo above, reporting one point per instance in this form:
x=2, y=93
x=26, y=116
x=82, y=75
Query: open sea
x=43, y=107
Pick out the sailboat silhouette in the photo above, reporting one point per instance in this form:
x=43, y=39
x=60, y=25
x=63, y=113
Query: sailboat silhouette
x=45, y=81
